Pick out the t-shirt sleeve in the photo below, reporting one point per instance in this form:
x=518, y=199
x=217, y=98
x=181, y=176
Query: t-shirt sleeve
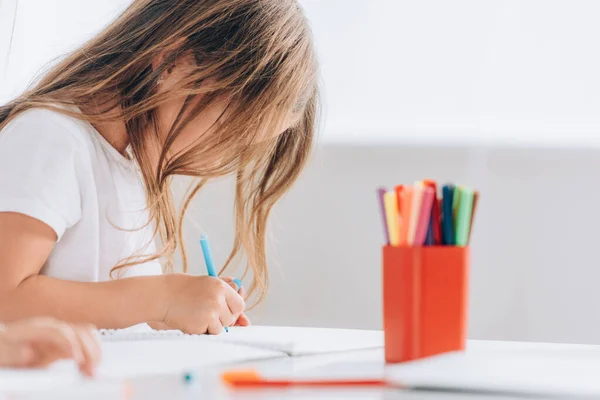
x=39, y=158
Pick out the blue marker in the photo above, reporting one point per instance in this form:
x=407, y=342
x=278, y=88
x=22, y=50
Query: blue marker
x=447, y=215
x=208, y=260
x=238, y=283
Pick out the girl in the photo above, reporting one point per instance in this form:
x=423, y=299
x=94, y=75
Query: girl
x=38, y=342
x=201, y=88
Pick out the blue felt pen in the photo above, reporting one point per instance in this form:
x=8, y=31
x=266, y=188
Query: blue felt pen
x=208, y=260
x=447, y=215
x=238, y=283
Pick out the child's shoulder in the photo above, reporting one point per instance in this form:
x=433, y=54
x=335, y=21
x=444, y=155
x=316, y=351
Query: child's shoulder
x=47, y=126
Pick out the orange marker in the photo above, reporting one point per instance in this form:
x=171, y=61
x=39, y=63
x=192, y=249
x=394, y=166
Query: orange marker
x=399, y=189
x=415, y=212
x=251, y=378
x=407, y=195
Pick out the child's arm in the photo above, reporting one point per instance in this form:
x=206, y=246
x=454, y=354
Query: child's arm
x=192, y=304
x=112, y=305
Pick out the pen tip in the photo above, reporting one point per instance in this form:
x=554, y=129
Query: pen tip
x=203, y=237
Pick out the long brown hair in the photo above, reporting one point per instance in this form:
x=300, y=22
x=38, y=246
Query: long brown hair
x=257, y=53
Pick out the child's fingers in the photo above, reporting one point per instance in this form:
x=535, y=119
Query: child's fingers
x=236, y=284
x=243, y=320
x=44, y=355
x=90, y=348
x=48, y=339
x=158, y=326
x=54, y=340
x=214, y=326
x=15, y=355
x=242, y=292
x=67, y=341
x=235, y=287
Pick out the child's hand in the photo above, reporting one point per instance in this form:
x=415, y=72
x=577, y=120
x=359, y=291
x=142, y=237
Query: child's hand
x=201, y=304
x=38, y=342
x=243, y=320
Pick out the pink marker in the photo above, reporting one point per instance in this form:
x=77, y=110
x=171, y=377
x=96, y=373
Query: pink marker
x=424, y=216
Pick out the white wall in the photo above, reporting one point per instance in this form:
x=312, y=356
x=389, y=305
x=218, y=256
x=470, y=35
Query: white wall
x=535, y=266
x=45, y=30
x=499, y=71
x=462, y=70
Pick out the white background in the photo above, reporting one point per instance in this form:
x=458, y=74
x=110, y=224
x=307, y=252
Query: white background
x=498, y=80
x=463, y=70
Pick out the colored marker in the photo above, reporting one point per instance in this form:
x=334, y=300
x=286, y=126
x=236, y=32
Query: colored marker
x=401, y=220
x=386, y=231
x=208, y=260
x=424, y=216
x=252, y=379
x=238, y=283
x=391, y=212
x=415, y=212
x=463, y=216
x=429, y=240
x=407, y=196
x=475, y=202
x=435, y=221
x=447, y=218
x=399, y=189
x=455, y=202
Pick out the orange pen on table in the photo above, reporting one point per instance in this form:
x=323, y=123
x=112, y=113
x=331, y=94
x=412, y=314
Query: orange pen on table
x=252, y=379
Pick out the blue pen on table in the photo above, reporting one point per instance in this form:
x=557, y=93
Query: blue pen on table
x=188, y=377
x=208, y=260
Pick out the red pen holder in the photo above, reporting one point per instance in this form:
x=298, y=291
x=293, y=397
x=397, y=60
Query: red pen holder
x=424, y=301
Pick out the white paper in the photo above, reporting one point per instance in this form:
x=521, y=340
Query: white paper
x=527, y=368
x=289, y=340
x=151, y=357
x=62, y=374
x=89, y=390
x=304, y=341
x=124, y=360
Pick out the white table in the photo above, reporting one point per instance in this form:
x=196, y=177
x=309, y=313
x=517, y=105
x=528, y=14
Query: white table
x=207, y=384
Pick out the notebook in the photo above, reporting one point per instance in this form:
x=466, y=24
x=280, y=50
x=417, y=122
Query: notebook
x=12, y=380
x=122, y=360
x=523, y=368
x=130, y=359
x=289, y=340
x=88, y=390
x=59, y=381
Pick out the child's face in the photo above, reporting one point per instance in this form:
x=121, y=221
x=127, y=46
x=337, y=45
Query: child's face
x=197, y=128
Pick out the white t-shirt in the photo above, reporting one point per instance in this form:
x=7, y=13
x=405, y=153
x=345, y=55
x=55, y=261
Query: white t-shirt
x=62, y=172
